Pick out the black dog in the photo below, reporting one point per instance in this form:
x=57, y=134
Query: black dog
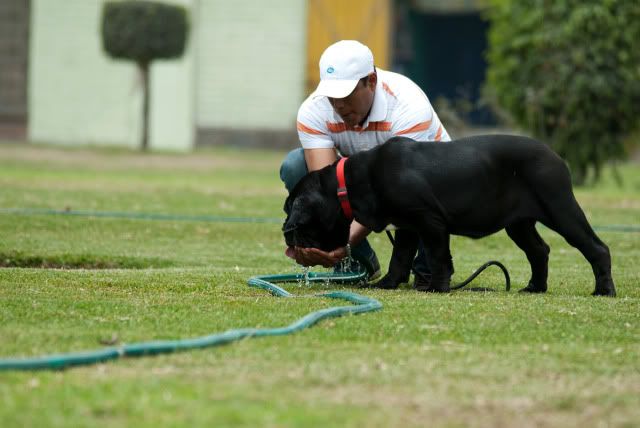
x=472, y=187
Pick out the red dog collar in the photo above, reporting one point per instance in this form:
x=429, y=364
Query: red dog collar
x=342, y=189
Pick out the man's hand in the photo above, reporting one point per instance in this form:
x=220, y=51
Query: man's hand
x=315, y=256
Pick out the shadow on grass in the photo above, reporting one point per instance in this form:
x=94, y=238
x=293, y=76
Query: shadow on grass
x=81, y=261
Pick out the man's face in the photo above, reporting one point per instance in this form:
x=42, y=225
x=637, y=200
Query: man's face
x=355, y=107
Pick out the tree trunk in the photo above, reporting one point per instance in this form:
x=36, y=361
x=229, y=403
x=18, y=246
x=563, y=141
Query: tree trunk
x=144, y=74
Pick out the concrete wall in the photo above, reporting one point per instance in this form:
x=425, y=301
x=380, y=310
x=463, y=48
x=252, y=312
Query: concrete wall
x=251, y=63
x=172, y=110
x=243, y=73
x=77, y=95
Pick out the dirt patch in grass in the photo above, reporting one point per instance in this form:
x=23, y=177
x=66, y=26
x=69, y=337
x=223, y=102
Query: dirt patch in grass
x=71, y=261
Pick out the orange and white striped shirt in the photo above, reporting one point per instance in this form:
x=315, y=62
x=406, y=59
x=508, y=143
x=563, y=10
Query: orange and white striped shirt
x=400, y=108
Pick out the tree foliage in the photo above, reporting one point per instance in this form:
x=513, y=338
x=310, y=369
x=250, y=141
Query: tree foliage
x=143, y=31
x=569, y=72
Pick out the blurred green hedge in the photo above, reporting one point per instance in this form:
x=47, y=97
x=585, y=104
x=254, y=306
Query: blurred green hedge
x=569, y=72
x=143, y=31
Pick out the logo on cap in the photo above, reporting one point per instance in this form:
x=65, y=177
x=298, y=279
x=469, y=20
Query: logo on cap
x=330, y=70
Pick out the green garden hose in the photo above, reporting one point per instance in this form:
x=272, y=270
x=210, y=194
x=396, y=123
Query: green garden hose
x=267, y=282
x=624, y=228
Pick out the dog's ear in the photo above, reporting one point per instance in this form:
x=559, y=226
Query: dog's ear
x=368, y=209
x=307, y=184
x=298, y=213
x=327, y=218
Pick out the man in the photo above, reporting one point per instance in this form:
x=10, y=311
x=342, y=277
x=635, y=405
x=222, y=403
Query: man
x=356, y=107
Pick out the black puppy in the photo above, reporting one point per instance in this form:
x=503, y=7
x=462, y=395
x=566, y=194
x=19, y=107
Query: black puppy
x=472, y=187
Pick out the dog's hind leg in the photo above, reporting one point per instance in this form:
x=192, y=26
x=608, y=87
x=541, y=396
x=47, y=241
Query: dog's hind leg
x=551, y=183
x=526, y=237
x=570, y=222
x=404, y=250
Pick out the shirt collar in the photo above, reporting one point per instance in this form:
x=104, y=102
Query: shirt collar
x=379, y=107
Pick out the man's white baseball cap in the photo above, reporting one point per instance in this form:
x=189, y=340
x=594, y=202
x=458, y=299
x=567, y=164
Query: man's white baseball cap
x=342, y=65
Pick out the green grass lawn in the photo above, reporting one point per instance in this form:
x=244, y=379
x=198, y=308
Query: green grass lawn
x=466, y=359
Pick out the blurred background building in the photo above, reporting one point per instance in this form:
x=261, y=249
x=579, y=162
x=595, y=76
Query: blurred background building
x=248, y=66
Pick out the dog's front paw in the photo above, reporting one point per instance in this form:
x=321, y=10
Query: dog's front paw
x=386, y=283
x=534, y=288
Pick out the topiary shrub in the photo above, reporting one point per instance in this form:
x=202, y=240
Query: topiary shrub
x=568, y=71
x=143, y=31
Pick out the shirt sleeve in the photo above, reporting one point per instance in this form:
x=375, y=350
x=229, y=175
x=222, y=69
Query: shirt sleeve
x=312, y=131
x=419, y=122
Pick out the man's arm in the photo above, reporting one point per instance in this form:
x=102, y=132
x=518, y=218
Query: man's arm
x=319, y=158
